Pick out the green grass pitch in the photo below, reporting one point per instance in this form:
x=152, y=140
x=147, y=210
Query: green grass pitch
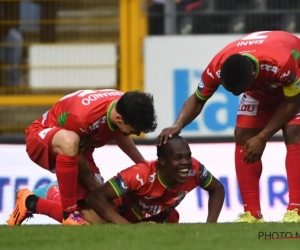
x=150, y=237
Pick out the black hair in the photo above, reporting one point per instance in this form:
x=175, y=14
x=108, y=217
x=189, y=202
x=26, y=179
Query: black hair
x=137, y=110
x=235, y=71
x=161, y=149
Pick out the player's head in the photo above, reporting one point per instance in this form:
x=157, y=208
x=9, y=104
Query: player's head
x=237, y=74
x=136, y=113
x=174, y=160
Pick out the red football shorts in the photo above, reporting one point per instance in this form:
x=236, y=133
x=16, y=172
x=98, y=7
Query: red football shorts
x=256, y=110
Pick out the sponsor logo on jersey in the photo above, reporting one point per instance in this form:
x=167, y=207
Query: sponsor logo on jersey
x=218, y=73
x=267, y=67
x=96, y=124
x=154, y=209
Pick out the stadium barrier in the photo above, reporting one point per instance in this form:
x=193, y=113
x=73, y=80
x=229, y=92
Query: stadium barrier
x=18, y=171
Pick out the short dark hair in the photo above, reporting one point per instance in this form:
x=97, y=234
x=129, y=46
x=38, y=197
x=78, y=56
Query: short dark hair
x=235, y=70
x=161, y=152
x=137, y=110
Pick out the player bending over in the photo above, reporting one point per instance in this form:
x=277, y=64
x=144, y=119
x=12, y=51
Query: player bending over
x=150, y=191
x=264, y=67
x=63, y=140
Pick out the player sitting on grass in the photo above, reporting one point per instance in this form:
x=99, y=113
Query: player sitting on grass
x=150, y=191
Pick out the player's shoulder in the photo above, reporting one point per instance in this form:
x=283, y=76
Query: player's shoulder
x=143, y=169
x=195, y=163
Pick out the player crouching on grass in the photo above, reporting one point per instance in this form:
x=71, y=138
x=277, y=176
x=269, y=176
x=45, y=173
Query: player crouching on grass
x=68, y=134
x=150, y=191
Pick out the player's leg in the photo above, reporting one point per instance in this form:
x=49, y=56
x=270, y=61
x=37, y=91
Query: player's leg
x=253, y=115
x=49, y=192
x=28, y=204
x=248, y=176
x=92, y=217
x=39, y=146
x=291, y=134
x=65, y=144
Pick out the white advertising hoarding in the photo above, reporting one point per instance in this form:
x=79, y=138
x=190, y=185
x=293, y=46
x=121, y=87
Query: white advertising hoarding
x=17, y=171
x=173, y=67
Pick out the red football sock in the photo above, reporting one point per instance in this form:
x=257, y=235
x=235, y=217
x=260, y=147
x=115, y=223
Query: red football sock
x=51, y=208
x=53, y=194
x=248, y=176
x=67, y=178
x=293, y=175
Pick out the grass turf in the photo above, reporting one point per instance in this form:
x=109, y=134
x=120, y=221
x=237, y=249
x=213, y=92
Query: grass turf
x=149, y=237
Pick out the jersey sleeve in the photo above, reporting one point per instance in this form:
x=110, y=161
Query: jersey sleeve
x=289, y=76
x=131, y=179
x=205, y=177
x=209, y=82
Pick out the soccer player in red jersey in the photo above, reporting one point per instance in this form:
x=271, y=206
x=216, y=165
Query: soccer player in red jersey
x=65, y=137
x=150, y=191
x=264, y=66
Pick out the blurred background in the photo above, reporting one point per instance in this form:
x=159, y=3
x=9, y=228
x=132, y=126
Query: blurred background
x=49, y=48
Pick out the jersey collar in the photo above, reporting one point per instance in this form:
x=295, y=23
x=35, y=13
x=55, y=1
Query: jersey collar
x=256, y=63
x=111, y=126
x=162, y=182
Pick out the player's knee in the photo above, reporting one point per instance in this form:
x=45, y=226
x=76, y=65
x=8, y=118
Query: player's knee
x=291, y=134
x=66, y=142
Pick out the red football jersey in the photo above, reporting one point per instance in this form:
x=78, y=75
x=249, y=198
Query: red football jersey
x=276, y=55
x=86, y=112
x=144, y=194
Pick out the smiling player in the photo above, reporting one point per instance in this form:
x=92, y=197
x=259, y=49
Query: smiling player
x=151, y=191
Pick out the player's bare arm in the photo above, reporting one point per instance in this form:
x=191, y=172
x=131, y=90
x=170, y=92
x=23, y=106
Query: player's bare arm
x=100, y=201
x=189, y=111
x=127, y=145
x=216, y=199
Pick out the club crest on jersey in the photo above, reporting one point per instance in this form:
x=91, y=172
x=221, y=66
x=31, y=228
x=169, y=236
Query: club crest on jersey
x=152, y=177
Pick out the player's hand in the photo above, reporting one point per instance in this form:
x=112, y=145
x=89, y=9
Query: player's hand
x=254, y=149
x=167, y=133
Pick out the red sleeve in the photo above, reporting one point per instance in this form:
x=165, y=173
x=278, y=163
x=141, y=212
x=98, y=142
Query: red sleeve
x=289, y=76
x=131, y=179
x=209, y=83
x=202, y=175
